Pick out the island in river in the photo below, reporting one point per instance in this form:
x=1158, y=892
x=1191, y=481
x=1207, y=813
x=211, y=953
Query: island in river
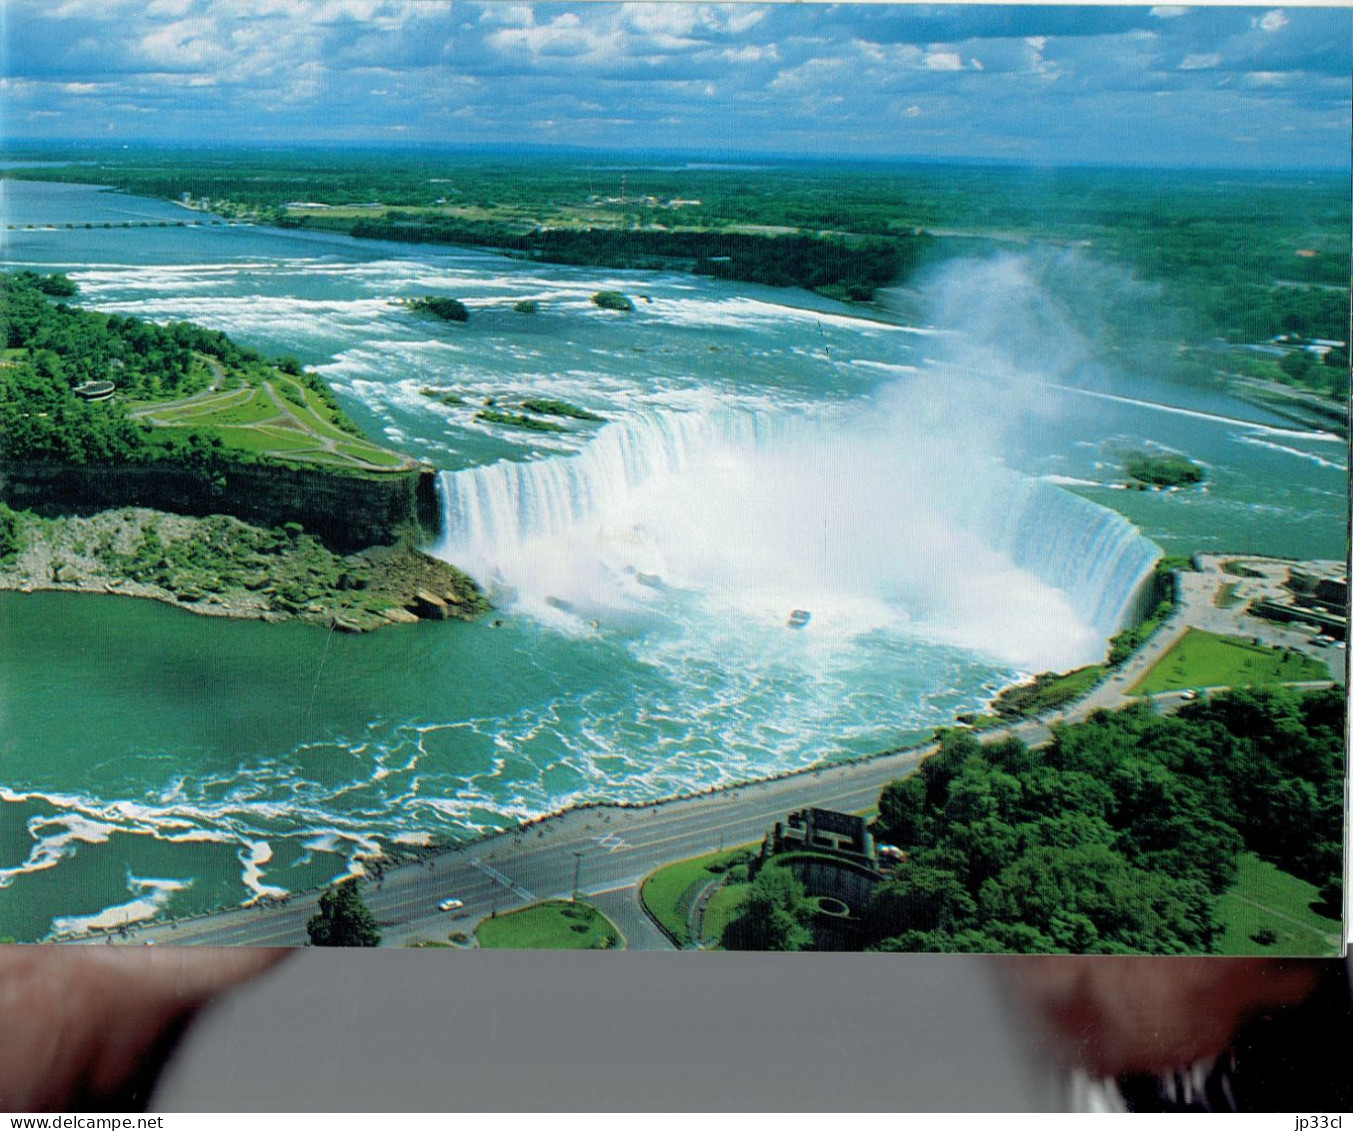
x=209, y=435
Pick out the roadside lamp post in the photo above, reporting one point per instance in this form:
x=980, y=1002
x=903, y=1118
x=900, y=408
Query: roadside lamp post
x=577, y=868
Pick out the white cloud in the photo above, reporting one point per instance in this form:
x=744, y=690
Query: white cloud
x=185, y=44
x=175, y=9
x=750, y=53
x=1199, y=62
x=508, y=15
x=871, y=51
x=1274, y=20
x=563, y=36
x=738, y=18
x=1168, y=11
x=80, y=87
x=943, y=61
x=810, y=76
x=913, y=111
x=661, y=19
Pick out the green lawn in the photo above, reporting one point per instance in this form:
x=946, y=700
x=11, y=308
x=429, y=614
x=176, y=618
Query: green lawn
x=723, y=907
x=267, y=438
x=669, y=893
x=354, y=448
x=237, y=406
x=248, y=419
x=1204, y=659
x=553, y=925
x=1264, y=897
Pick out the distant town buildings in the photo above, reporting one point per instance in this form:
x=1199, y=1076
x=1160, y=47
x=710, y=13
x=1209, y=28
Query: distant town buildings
x=1315, y=595
x=1310, y=596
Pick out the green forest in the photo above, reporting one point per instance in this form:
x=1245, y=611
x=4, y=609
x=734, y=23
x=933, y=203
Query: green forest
x=1117, y=837
x=52, y=348
x=1121, y=836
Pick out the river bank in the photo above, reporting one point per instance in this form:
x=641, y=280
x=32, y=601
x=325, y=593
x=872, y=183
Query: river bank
x=220, y=566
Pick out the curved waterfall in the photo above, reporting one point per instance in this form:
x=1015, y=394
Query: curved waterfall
x=816, y=510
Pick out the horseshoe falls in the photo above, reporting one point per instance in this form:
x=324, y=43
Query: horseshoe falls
x=709, y=520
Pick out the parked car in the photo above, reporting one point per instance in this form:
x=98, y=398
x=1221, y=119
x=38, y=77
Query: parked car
x=451, y=905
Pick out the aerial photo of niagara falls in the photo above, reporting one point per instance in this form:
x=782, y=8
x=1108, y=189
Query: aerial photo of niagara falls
x=671, y=476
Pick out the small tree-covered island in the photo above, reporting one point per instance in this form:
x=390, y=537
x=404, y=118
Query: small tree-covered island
x=103, y=418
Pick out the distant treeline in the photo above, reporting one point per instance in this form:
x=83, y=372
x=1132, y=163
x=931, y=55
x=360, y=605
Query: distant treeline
x=852, y=269
x=1232, y=254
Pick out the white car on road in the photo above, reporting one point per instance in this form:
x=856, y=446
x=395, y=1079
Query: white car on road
x=451, y=905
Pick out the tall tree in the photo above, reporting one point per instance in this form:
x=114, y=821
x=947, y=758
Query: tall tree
x=775, y=915
x=343, y=919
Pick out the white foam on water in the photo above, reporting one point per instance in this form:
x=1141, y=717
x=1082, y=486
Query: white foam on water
x=741, y=312
x=1070, y=481
x=56, y=837
x=253, y=856
x=893, y=369
x=1321, y=461
x=253, y=316
x=1198, y=414
x=151, y=897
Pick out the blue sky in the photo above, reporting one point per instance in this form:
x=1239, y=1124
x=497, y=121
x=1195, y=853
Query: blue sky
x=1163, y=85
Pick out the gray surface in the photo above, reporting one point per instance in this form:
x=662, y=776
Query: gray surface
x=436, y=1030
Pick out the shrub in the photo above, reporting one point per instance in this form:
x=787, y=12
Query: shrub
x=11, y=537
x=447, y=309
x=612, y=300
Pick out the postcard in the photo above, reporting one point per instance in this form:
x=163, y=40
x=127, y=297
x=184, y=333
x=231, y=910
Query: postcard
x=670, y=476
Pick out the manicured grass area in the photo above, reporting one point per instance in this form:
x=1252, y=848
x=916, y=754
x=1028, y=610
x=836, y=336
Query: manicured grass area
x=1263, y=897
x=237, y=406
x=1204, y=659
x=368, y=454
x=274, y=416
x=723, y=908
x=553, y=925
x=670, y=892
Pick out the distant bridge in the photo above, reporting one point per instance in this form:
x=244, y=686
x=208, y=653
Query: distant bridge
x=105, y=224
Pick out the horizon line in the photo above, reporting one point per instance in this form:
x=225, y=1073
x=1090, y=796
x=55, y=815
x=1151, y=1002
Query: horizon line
x=689, y=155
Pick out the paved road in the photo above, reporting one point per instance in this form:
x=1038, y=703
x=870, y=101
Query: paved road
x=618, y=847
x=615, y=847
